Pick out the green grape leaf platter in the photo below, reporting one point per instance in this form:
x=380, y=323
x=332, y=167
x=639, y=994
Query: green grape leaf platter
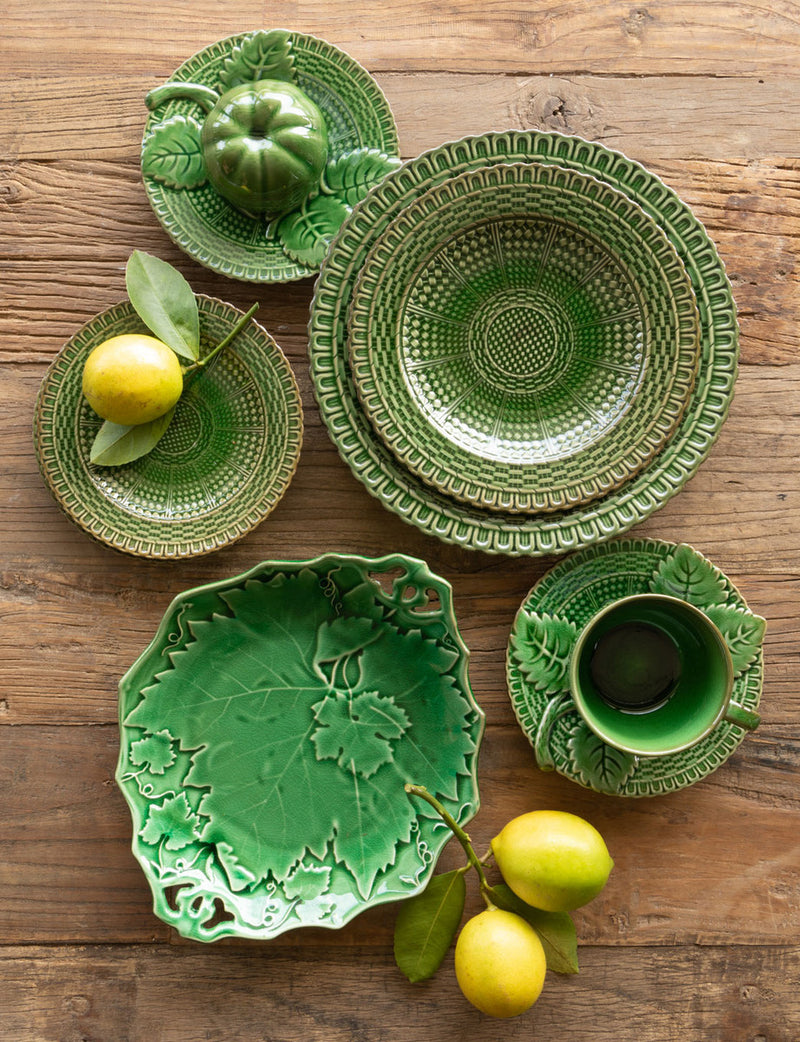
x=258, y=147
x=546, y=627
x=496, y=531
x=267, y=734
x=222, y=466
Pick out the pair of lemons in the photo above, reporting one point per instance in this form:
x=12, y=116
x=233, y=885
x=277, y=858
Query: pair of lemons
x=552, y=860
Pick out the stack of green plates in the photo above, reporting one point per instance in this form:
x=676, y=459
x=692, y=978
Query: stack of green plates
x=523, y=343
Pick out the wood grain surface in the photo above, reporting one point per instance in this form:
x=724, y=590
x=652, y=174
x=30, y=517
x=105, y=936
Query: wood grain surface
x=697, y=936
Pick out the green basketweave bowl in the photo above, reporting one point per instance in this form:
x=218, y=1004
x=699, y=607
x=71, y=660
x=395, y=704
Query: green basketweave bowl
x=524, y=337
x=267, y=735
x=222, y=466
x=493, y=531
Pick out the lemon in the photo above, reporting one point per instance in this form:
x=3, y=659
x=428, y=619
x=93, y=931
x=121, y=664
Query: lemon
x=132, y=379
x=553, y=860
x=500, y=963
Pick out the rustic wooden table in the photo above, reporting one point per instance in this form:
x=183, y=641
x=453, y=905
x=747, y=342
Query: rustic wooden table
x=697, y=936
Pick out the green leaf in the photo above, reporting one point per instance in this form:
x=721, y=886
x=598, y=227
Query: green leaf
x=541, y=646
x=306, y=233
x=307, y=882
x=155, y=752
x=173, y=820
x=556, y=929
x=164, y=301
x=688, y=575
x=599, y=765
x=115, y=444
x=426, y=925
x=265, y=791
x=260, y=56
x=173, y=154
x=356, y=731
x=352, y=175
x=743, y=632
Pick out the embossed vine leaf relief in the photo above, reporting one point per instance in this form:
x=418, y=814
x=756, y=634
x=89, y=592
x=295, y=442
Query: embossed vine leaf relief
x=688, y=575
x=541, y=646
x=173, y=154
x=260, y=56
x=308, y=715
x=598, y=765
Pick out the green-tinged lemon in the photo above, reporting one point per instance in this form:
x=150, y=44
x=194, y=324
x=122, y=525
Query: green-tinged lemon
x=132, y=379
x=500, y=963
x=553, y=860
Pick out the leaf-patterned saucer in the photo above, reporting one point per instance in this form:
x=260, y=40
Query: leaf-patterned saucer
x=226, y=460
x=362, y=140
x=267, y=734
x=545, y=630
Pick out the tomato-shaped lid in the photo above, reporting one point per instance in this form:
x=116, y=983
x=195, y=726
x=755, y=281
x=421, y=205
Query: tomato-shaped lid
x=265, y=145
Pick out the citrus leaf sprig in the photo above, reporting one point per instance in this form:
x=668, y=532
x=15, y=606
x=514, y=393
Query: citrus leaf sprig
x=166, y=303
x=427, y=924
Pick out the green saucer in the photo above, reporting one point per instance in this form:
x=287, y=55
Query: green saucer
x=227, y=457
x=545, y=629
x=524, y=337
x=267, y=734
x=215, y=233
x=440, y=515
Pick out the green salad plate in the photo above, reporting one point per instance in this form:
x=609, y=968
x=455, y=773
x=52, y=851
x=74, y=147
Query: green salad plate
x=246, y=94
x=269, y=730
x=222, y=466
x=524, y=337
x=545, y=631
x=495, y=531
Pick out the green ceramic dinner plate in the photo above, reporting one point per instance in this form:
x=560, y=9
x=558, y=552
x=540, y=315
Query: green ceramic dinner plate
x=225, y=461
x=209, y=228
x=492, y=531
x=524, y=337
x=545, y=629
x=269, y=730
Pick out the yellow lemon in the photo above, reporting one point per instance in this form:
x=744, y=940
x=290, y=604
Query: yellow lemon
x=132, y=379
x=500, y=963
x=553, y=860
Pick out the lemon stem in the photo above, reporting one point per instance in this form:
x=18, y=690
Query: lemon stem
x=201, y=363
x=458, y=832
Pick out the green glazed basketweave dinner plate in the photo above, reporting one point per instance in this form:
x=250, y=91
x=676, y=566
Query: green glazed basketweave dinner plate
x=357, y=117
x=226, y=459
x=267, y=735
x=491, y=531
x=524, y=337
x=544, y=631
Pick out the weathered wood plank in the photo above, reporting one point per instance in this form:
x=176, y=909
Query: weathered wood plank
x=713, y=864
x=712, y=37
x=184, y=994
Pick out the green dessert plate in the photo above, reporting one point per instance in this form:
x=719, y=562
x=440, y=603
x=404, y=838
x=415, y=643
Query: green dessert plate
x=524, y=337
x=439, y=514
x=226, y=459
x=362, y=144
x=267, y=734
x=544, y=632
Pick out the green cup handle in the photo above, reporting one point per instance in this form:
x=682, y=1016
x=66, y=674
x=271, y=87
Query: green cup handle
x=742, y=717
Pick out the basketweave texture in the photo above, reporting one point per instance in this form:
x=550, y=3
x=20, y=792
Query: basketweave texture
x=524, y=337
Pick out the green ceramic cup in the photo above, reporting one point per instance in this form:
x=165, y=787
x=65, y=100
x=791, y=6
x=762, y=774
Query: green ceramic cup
x=652, y=675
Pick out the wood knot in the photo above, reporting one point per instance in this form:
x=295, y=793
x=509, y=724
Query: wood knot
x=635, y=24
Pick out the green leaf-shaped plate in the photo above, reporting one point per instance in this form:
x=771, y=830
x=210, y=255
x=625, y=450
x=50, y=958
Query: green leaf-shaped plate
x=571, y=593
x=267, y=734
x=494, y=531
x=222, y=466
x=211, y=230
x=524, y=337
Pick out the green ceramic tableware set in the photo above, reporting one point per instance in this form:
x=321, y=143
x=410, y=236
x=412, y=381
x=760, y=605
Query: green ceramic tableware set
x=522, y=343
